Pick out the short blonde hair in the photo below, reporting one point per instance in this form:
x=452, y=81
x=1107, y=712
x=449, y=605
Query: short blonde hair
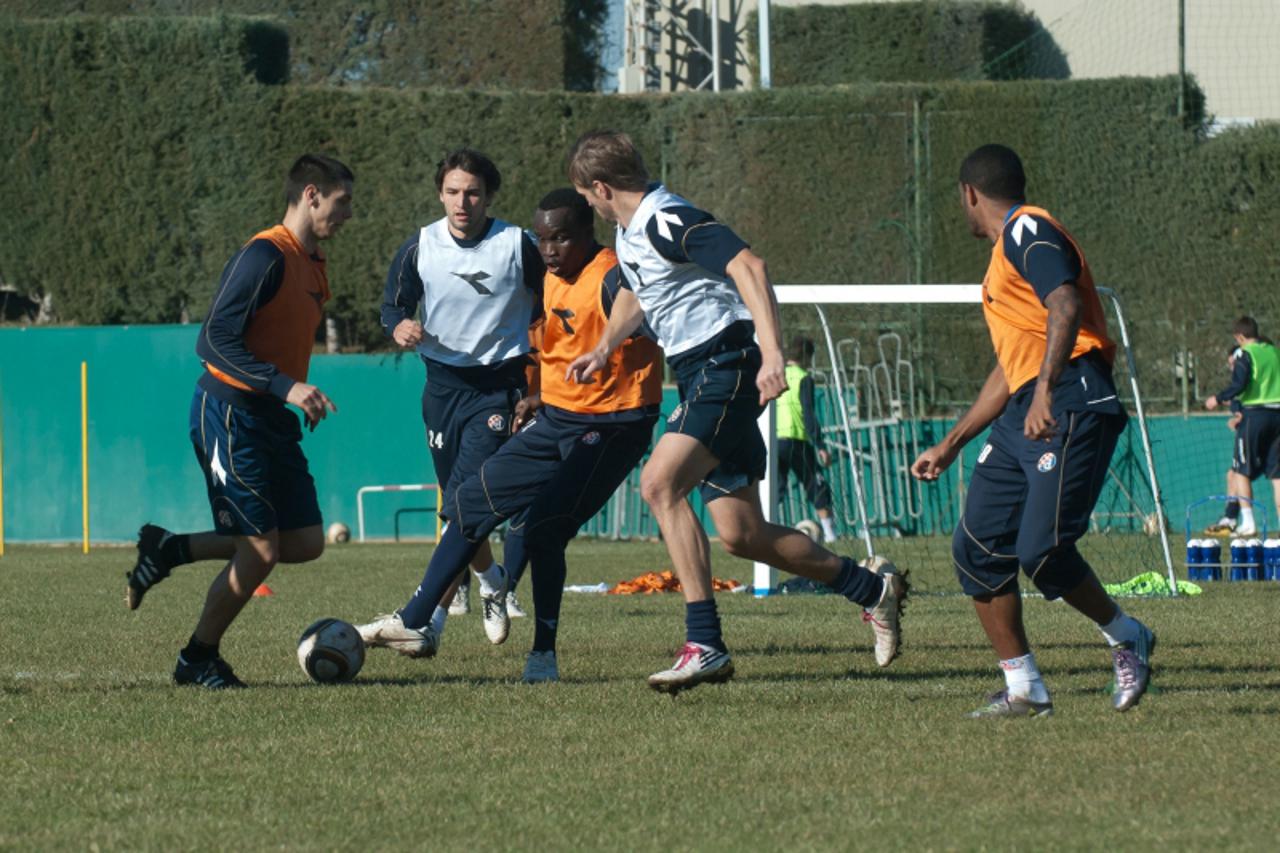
x=608, y=156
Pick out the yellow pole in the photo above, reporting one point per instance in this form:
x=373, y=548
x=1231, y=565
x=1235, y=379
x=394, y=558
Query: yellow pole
x=439, y=501
x=84, y=447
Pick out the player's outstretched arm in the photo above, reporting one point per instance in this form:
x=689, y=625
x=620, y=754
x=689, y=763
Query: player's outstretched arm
x=751, y=277
x=624, y=318
x=990, y=403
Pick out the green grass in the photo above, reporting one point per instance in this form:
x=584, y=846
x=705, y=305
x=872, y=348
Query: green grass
x=811, y=746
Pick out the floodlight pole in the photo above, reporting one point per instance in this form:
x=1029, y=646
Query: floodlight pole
x=766, y=69
x=1182, y=58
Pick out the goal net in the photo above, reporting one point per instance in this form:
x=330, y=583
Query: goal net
x=895, y=366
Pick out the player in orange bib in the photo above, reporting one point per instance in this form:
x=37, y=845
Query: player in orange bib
x=576, y=443
x=1055, y=419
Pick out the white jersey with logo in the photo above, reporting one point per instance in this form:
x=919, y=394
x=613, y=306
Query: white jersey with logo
x=475, y=307
x=684, y=304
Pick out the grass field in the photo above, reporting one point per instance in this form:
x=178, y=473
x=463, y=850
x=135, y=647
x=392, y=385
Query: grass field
x=810, y=747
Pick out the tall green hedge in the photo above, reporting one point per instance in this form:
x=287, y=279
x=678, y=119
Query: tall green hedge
x=490, y=43
x=141, y=153
x=925, y=41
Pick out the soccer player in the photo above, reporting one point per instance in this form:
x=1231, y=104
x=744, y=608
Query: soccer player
x=579, y=443
x=1055, y=419
x=256, y=348
x=699, y=287
x=1255, y=383
x=1226, y=525
x=800, y=445
x=463, y=291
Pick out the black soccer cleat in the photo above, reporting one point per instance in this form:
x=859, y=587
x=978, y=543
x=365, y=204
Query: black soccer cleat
x=213, y=674
x=151, y=567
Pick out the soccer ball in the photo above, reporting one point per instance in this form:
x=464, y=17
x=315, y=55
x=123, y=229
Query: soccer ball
x=331, y=651
x=339, y=533
x=809, y=528
x=1151, y=524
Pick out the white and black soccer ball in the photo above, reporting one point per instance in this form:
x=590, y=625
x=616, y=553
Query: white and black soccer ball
x=810, y=528
x=339, y=533
x=331, y=651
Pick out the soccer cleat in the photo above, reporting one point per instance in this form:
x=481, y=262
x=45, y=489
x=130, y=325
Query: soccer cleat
x=1003, y=705
x=1245, y=530
x=151, y=566
x=1222, y=527
x=497, y=623
x=696, y=664
x=886, y=616
x=1132, y=662
x=540, y=667
x=389, y=632
x=212, y=674
x=514, y=610
x=461, y=604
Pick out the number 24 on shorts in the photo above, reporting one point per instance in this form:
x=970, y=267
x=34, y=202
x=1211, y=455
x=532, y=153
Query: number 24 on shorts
x=435, y=439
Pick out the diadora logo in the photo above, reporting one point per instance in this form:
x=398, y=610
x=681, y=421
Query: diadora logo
x=592, y=437
x=565, y=316
x=675, y=415
x=986, y=451
x=215, y=466
x=474, y=279
x=497, y=423
x=1047, y=463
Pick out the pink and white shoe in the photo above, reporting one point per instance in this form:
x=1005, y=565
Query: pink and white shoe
x=696, y=664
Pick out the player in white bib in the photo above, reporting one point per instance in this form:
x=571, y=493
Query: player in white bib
x=462, y=291
x=707, y=296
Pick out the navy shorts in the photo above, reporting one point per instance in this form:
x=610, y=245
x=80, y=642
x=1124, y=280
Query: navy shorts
x=562, y=468
x=254, y=469
x=720, y=407
x=1029, y=501
x=464, y=428
x=797, y=456
x=1257, y=447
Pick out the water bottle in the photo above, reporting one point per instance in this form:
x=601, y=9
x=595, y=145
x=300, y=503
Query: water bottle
x=1239, y=556
x=1253, y=568
x=1211, y=560
x=1271, y=560
x=1195, y=571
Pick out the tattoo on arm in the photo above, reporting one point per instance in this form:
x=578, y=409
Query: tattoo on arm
x=1060, y=331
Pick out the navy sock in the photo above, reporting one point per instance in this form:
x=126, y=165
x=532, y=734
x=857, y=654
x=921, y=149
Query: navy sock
x=197, y=652
x=548, y=590
x=858, y=584
x=515, y=558
x=1233, y=509
x=449, y=560
x=702, y=624
x=176, y=550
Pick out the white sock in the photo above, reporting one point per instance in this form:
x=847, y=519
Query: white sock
x=1123, y=628
x=1246, y=517
x=437, y=620
x=828, y=527
x=1022, y=678
x=491, y=579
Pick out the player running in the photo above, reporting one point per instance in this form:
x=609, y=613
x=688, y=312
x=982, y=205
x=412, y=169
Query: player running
x=1056, y=422
x=568, y=458
x=256, y=347
x=700, y=288
x=462, y=291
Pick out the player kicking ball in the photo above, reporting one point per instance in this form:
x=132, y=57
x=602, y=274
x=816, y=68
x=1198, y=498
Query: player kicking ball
x=1055, y=419
x=707, y=297
x=577, y=444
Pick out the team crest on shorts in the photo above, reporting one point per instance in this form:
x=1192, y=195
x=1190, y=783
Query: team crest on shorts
x=1047, y=463
x=675, y=414
x=224, y=518
x=497, y=423
x=986, y=451
x=592, y=437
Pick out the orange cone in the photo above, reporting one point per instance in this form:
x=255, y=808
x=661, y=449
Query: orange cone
x=262, y=591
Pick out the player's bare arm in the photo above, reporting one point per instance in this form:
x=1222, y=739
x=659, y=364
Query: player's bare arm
x=313, y=402
x=990, y=403
x=1061, y=328
x=751, y=277
x=626, y=317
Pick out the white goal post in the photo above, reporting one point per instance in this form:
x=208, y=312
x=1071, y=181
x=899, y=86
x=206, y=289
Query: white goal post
x=765, y=578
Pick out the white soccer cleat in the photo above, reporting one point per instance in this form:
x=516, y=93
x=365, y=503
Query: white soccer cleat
x=389, y=632
x=461, y=604
x=540, y=667
x=514, y=610
x=886, y=616
x=695, y=665
x=497, y=623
